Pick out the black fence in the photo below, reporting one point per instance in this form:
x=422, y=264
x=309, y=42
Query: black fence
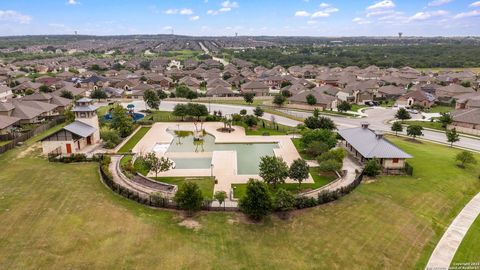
x=29, y=134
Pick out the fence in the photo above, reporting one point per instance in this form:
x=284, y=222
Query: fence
x=29, y=134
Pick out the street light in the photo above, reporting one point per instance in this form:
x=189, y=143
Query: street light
x=211, y=170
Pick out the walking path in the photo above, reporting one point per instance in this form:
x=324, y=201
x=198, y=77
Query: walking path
x=445, y=250
x=350, y=167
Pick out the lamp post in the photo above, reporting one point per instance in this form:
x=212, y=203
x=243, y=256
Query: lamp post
x=211, y=170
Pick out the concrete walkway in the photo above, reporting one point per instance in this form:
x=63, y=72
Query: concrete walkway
x=445, y=250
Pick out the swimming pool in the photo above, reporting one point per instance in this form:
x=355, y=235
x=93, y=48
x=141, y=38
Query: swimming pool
x=248, y=154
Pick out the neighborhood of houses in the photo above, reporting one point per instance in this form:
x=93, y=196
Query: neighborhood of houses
x=27, y=99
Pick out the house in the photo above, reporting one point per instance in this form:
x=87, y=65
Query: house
x=451, y=91
x=416, y=98
x=466, y=121
x=190, y=82
x=365, y=144
x=467, y=101
x=391, y=91
x=256, y=87
x=323, y=101
x=220, y=91
x=77, y=136
x=7, y=123
x=60, y=102
x=5, y=93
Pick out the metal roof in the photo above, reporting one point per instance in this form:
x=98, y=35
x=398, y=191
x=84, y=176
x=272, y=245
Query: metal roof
x=89, y=108
x=369, y=145
x=80, y=129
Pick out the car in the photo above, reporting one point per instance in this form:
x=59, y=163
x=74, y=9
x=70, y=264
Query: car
x=413, y=111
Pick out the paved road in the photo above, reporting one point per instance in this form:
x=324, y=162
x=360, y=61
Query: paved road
x=377, y=118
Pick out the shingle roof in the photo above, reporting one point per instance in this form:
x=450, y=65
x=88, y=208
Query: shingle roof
x=80, y=129
x=6, y=121
x=369, y=145
x=471, y=116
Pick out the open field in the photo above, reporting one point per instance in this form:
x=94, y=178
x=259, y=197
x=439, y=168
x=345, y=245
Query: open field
x=239, y=190
x=61, y=216
x=127, y=147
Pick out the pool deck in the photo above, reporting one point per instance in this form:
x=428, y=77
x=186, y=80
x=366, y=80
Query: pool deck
x=224, y=162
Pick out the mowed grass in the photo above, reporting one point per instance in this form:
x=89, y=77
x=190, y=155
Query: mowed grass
x=319, y=179
x=426, y=124
x=60, y=216
x=469, y=250
x=128, y=146
x=204, y=183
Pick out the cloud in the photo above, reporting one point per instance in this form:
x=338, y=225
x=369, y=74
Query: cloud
x=14, y=16
x=472, y=13
x=475, y=4
x=311, y=22
x=320, y=14
x=302, y=13
x=194, y=18
x=436, y=3
x=380, y=13
x=183, y=11
x=360, y=21
x=422, y=16
x=225, y=6
x=324, y=5
x=385, y=4
x=167, y=28
x=72, y=2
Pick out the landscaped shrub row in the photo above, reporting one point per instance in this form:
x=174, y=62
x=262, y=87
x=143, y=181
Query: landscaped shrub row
x=73, y=158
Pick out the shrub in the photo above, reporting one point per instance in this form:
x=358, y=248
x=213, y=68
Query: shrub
x=257, y=202
x=323, y=135
x=284, y=200
x=372, y=168
x=330, y=165
x=337, y=154
x=464, y=158
x=189, y=197
x=110, y=137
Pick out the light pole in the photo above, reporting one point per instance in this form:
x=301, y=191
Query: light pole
x=211, y=170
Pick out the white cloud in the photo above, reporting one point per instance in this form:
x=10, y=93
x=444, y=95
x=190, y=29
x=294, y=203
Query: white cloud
x=385, y=4
x=475, y=4
x=194, y=18
x=72, y=2
x=229, y=4
x=14, y=16
x=302, y=13
x=182, y=11
x=331, y=10
x=436, y=3
x=225, y=6
x=320, y=14
x=312, y=22
x=359, y=20
x=167, y=28
x=472, y=13
x=421, y=16
x=324, y=5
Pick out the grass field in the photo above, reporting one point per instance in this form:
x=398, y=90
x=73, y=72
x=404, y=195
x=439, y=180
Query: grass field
x=162, y=116
x=320, y=180
x=469, y=250
x=440, y=109
x=426, y=124
x=298, y=144
x=60, y=216
x=204, y=183
x=127, y=147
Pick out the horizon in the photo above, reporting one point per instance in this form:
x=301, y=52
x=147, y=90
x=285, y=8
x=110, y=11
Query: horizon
x=214, y=18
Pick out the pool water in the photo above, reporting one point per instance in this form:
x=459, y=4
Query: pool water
x=248, y=154
x=136, y=116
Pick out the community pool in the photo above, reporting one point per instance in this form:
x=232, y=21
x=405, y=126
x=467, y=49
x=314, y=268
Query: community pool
x=248, y=154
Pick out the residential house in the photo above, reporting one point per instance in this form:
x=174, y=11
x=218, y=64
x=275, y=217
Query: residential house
x=256, y=87
x=220, y=91
x=7, y=124
x=323, y=101
x=416, y=98
x=5, y=93
x=466, y=120
x=446, y=93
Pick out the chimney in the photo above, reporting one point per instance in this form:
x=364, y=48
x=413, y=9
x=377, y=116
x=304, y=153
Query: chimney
x=379, y=135
x=365, y=124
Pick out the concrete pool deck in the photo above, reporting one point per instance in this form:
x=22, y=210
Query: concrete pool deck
x=224, y=162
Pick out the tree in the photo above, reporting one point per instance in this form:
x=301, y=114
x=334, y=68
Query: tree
x=279, y=100
x=321, y=122
x=414, y=131
x=161, y=94
x=191, y=95
x=44, y=89
x=152, y=99
x=452, y=136
x=311, y=99
x=397, y=127
x=243, y=112
x=121, y=121
x=98, y=94
x=182, y=91
x=316, y=113
x=189, y=197
x=465, y=158
x=446, y=119
x=330, y=165
x=66, y=94
x=299, y=170
x=344, y=106
x=337, y=154
x=197, y=110
x=286, y=93
x=110, y=137
x=273, y=170
x=180, y=110
x=402, y=114
x=220, y=196
x=283, y=200
x=316, y=148
x=257, y=202
x=466, y=83
x=250, y=120
x=69, y=115
x=258, y=112
x=372, y=168
x=321, y=135
x=158, y=165
x=248, y=97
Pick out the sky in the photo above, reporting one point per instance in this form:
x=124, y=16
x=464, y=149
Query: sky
x=245, y=17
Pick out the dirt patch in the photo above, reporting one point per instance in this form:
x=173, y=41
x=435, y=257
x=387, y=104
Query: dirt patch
x=191, y=224
x=226, y=130
x=27, y=152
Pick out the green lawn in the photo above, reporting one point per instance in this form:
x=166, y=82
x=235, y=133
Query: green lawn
x=298, y=144
x=204, y=183
x=356, y=107
x=60, y=216
x=469, y=250
x=440, y=109
x=319, y=178
x=127, y=147
x=2, y=143
x=426, y=124
x=256, y=102
x=162, y=116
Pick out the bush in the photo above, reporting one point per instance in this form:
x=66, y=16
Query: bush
x=284, y=200
x=110, y=137
x=257, y=202
x=316, y=148
x=337, y=154
x=372, y=168
x=304, y=202
x=321, y=122
x=330, y=165
x=321, y=135
x=189, y=197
